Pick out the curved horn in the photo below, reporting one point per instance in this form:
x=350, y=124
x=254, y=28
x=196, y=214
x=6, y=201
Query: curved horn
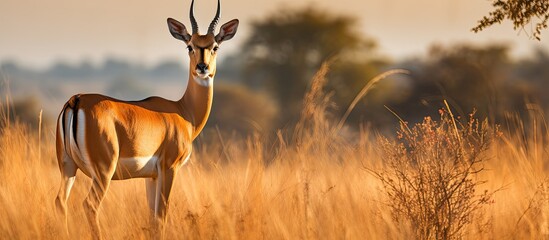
x=193, y=20
x=215, y=21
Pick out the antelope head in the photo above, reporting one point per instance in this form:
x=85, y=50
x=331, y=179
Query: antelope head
x=203, y=48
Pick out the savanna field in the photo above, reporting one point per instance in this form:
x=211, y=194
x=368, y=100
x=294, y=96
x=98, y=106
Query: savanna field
x=448, y=177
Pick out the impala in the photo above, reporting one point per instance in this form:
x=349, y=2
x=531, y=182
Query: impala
x=109, y=139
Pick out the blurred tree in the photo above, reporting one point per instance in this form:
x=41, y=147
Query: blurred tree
x=521, y=12
x=532, y=76
x=285, y=49
x=237, y=108
x=126, y=87
x=65, y=70
x=346, y=80
x=10, y=67
x=468, y=77
x=167, y=69
x=24, y=110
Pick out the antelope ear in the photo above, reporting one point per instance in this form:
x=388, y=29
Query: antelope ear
x=227, y=31
x=178, y=30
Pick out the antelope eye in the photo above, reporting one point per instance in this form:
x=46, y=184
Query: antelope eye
x=215, y=48
x=190, y=48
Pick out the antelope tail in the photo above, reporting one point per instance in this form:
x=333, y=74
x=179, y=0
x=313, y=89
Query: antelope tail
x=69, y=122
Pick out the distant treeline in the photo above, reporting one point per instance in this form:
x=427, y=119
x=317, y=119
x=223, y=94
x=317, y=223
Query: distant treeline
x=86, y=69
x=261, y=86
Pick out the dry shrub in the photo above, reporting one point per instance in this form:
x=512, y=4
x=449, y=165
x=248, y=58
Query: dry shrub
x=431, y=172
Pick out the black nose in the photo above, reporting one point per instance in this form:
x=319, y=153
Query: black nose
x=202, y=67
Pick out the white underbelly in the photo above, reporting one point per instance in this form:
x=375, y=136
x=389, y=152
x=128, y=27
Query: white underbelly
x=136, y=167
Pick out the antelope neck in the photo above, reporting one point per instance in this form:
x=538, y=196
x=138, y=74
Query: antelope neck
x=197, y=103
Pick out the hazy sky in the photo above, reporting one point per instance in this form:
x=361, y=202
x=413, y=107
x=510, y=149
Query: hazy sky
x=36, y=33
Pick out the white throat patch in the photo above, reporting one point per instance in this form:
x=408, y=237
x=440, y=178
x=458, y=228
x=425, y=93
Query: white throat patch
x=204, y=82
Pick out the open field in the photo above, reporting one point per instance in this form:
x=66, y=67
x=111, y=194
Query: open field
x=310, y=184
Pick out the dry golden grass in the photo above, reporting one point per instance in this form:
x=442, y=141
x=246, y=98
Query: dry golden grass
x=312, y=184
